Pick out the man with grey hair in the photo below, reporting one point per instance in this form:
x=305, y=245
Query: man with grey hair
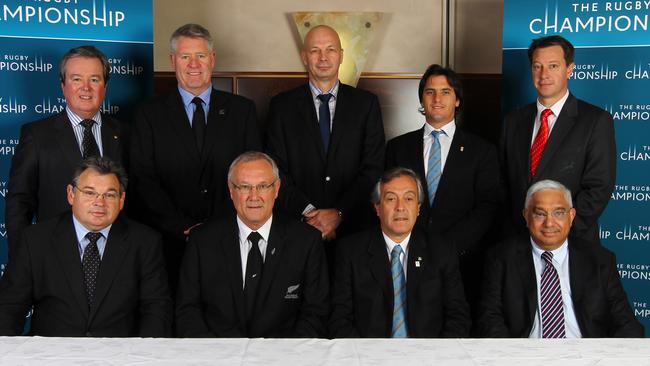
x=393, y=281
x=50, y=148
x=545, y=285
x=253, y=274
x=89, y=273
x=183, y=143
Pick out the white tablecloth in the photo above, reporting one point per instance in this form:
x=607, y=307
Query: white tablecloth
x=129, y=351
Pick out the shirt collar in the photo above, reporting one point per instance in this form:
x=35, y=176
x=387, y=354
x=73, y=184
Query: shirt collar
x=81, y=230
x=556, y=108
x=390, y=244
x=245, y=231
x=559, y=254
x=76, y=120
x=315, y=92
x=188, y=97
x=449, y=129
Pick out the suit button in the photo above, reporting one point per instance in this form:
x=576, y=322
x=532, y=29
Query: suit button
x=204, y=191
x=327, y=179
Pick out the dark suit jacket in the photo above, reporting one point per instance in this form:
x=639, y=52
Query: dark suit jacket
x=362, y=292
x=344, y=177
x=210, y=301
x=466, y=201
x=131, y=298
x=175, y=185
x=43, y=165
x=580, y=153
x=509, y=300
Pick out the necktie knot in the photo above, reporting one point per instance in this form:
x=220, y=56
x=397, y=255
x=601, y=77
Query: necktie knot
x=197, y=101
x=254, y=237
x=93, y=236
x=546, y=113
x=324, y=98
x=547, y=257
x=86, y=123
x=396, y=252
x=437, y=133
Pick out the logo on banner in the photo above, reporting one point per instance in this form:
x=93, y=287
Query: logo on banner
x=69, y=12
x=124, y=67
x=641, y=309
x=638, y=71
x=634, y=271
x=634, y=193
x=7, y=147
x=635, y=153
x=593, y=72
x=47, y=106
x=632, y=233
x=2, y=269
x=108, y=108
x=26, y=63
x=11, y=105
x=629, y=112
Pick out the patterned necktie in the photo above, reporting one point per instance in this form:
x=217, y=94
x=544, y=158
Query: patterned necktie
x=551, y=304
x=88, y=143
x=433, y=166
x=324, y=119
x=539, y=143
x=198, y=122
x=90, y=265
x=400, y=329
x=254, y=265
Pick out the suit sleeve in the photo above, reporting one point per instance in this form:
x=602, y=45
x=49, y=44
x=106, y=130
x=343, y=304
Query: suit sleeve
x=456, y=315
x=154, y=205
x=391, y=159
x=341, y=323
x=372, y=162
x=314, y=309
x=491, y=320
x=623, y=324
x=190, y=322
x=155, y=300
x=598, y=177
x=22, y=197
x=470, y=229
x=15, y=292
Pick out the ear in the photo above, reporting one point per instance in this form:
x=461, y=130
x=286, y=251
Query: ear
x=70, y=194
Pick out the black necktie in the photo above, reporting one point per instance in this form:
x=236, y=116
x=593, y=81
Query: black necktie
x=88, y=143
x=198, y=122
x=324, y=119
x=254, y=265
x=90, y=265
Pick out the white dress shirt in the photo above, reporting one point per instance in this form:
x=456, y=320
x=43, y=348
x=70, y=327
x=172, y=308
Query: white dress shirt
x=245, y=245
x=445, y=143
x=390, y=244
x=556, y=108
x=561, y=264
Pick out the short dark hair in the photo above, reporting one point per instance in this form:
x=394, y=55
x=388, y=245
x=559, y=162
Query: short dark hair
x=452, y=79
x=543, y=42
x=191, y=30
x=87, y=52
x=391, y=174
x=103, y=166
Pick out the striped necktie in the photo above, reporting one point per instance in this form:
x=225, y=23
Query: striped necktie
x=434, y=166
x=400, y=329
x=552, y=308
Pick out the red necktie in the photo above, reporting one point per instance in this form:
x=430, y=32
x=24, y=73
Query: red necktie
x=540, y=141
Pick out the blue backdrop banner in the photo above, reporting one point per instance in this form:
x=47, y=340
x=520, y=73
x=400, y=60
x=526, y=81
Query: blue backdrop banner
x=34, y=35
x=612, y=70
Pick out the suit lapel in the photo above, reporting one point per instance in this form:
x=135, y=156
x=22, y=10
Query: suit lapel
x=523, y=138
x=416, y=155
x=67, y=140
x=380, y=270
x=64, y=240
x=453, y=163
x=217, y=115
x=581, y=272
x=527, y=276
x=230, y=245
x=416, y=253
x=110, y=138
x=310, y=118
x=114, y=252
x=563, y=125
x=272, y=259
x=340, y=119
x=180, y=125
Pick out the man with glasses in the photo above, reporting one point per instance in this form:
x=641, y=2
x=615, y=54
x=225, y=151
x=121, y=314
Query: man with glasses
x=544, y=285
x=253, y=274
x=89, y=273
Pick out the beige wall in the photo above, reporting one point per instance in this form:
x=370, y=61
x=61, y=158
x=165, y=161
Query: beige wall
x=257, y=35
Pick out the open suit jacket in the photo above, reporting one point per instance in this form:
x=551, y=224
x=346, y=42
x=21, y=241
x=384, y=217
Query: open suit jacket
x=466, y=200
x=43, y=165
x=509, y=300
x=293, y=295
x=343, y=177
x=580, y=153
x=362, y=292
x=131, y=298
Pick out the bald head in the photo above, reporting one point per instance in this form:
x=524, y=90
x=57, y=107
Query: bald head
x=322, y=55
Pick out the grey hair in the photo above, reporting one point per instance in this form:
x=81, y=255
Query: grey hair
x=103, y=166
x=391, y=174
x=253, y=156
x=547, y=184
x=86, y=52
x=191, y=30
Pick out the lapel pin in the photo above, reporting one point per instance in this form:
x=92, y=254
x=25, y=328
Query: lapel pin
x=272, y=251
x=114, y=137
x=222, y=112
x=417, y=263
x=462, y=148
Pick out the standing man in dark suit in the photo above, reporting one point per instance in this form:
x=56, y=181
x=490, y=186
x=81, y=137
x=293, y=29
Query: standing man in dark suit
x=560, y=138
x=89, y=273
x=183, y=143
x=546, y=285
x=461, y=170
x=392, y=281
x=253, y=274
x=50, y=149
x=328, y=140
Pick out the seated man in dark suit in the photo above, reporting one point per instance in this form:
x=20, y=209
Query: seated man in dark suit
x=393, y=282
x=89, y=272
x=253, y=274
x=544, y=285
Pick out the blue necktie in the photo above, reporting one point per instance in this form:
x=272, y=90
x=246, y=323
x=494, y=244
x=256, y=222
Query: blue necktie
x=400, y=329
x=324, y=119
x=433, y=166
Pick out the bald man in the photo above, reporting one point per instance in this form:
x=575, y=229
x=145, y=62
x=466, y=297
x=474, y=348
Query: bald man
x=328, y=140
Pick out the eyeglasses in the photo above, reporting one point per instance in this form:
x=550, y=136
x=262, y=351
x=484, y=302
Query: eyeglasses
x=90, y=195
x=247, y=188
x=543, y=215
